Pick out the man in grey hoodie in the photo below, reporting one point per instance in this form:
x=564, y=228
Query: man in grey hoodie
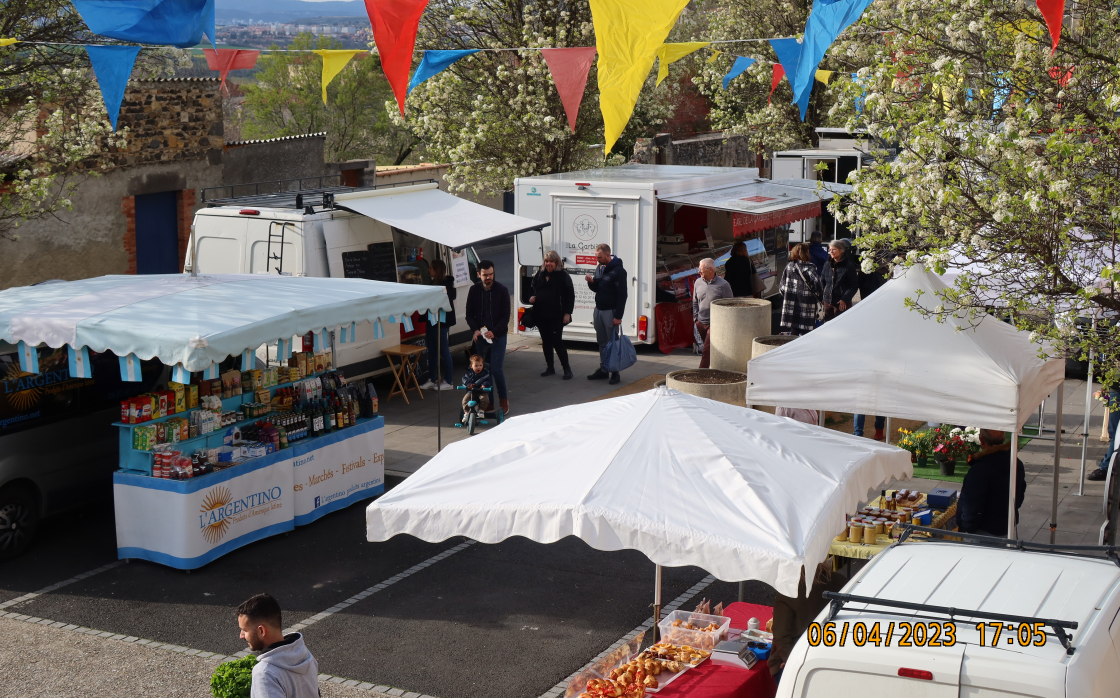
x=285, y=668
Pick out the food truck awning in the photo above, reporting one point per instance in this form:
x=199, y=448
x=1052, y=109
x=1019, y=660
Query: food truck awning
x=426, y=211
x=684, y=480
x=199, y=320
x=762, y=205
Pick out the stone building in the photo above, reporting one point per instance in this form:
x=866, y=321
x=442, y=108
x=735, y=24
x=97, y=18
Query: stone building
x=135, y=215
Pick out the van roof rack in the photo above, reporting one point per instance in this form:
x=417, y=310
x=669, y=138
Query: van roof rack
x=837, y=601
x=938, y=535
x=304, y=193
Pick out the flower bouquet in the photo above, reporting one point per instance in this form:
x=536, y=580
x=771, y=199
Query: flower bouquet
x=919, y=443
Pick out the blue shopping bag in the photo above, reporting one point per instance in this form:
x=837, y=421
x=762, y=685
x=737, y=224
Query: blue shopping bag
x=620, y=352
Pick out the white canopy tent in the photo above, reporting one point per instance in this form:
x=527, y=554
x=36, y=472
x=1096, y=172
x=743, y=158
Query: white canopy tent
x=685, y=480
x=890, y=360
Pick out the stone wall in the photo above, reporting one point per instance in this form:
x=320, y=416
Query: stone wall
x=279, y=158
x=708, y=150
x=170, y=120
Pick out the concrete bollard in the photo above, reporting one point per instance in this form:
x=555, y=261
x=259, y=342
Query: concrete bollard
x=735, y=322
x=723, y=386
x=769, y=342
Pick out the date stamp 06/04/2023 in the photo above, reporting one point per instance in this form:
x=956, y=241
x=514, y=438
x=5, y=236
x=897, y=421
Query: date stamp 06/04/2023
x=921, y=634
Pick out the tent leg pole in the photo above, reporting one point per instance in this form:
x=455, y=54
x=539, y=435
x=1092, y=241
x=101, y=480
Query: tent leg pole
x=742, y=591
x=1011, y=491
x=439, y=387
x=888, y=432
x=1085, y=426
x=656, y=600
x=1057, y=461
x=820, y=418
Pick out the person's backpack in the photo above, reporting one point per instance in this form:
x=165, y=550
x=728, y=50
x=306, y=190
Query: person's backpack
x=621, y=354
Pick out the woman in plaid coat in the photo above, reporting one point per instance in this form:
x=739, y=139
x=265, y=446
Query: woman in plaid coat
x=801, y=292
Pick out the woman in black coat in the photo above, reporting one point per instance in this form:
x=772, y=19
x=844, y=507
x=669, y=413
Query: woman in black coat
x=553, y=300
x=839, y=279
x=739, y=272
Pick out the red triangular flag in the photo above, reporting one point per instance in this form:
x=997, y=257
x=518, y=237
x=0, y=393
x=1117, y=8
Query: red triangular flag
x=569, y=68
x=1052, y=11
x=227, y=59
x=394, y=31
x=779, y=73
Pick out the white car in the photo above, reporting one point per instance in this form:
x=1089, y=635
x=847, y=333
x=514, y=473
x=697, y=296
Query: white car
x=1007, y=622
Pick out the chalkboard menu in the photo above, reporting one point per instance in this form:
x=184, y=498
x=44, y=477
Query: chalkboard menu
x=376, y=262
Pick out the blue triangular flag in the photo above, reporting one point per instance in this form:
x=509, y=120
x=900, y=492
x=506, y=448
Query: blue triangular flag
x=741, y=63
x=862, y=93
x=435, y=62
x=789, y=51
x=112, y=65
x=79, y=362
x=171, y=22
x=826, y=21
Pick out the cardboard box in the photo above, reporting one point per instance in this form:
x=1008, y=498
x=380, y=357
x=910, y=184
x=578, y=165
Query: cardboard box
x=180, y=394
x=192, y=396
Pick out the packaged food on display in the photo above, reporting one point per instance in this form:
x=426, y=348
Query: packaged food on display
x=180, y=392
x=694, y=629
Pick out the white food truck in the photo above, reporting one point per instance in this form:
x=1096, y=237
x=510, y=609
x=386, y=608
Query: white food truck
x=387, y=233
x=661, y=220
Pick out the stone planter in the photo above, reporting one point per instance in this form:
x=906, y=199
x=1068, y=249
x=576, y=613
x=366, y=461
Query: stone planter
x=724, y=386
x=735, y=324
x=769, y=342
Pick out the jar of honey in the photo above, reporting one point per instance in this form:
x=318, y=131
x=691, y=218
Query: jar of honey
x=855, y=533
x=869, y=534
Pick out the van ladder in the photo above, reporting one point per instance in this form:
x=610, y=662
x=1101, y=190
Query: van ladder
x=279, y=238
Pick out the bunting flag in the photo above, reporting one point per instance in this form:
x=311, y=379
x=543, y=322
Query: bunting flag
x=167, y=22
x=712, y=58
x=248, y=360
x=334, y=60
x=320, y=342
x=737, y=68
x=627, y=34
x=28, y=357
x=394, y=25
x=130, y=369
x=224, y=60
x=79, y=362
x=211, y=372
x=179, y=374
x=826, y=21
x=407, y=322
x=378, y=330
x=283, y=349
x=671, y=53
x=1062, y=74
x=8, y=42
x=346, y=333
x=112, y=65
x=434, y=63
x=1052, y=11
x=789, y=53
x=779, y=73
x=823, y=76
x=569, y=68
x=862, y=93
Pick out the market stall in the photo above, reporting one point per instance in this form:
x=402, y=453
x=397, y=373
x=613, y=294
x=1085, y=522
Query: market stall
x=899, y=363
x=231, y=451
x=685, y=480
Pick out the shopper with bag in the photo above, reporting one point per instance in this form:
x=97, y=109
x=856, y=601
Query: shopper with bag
x=708, y=287
x=839, y=278
x=610, y=285
x=554, y=299
x=801, y=292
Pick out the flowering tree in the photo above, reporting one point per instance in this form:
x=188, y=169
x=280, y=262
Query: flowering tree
x=997, y=160
x=496, y=115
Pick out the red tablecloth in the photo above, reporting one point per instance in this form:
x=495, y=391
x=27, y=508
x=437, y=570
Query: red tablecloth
x=713, y=681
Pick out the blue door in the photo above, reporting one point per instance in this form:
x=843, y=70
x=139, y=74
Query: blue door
x=157, y=234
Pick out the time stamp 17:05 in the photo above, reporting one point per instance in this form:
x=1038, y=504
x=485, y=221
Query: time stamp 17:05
x=920, y=634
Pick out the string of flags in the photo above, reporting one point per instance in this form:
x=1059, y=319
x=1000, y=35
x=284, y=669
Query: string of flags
x=629, y=35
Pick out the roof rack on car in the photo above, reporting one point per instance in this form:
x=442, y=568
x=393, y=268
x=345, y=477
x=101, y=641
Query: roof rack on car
x=1112, y=552
x=837, y=601
x=289, y=193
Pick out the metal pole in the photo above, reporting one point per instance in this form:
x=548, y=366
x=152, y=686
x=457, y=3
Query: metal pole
x=1085, y=427
x=888, y=437
x=742, y=591
x=1011, y=491
x=439, y=383
x=656, y=600
x=1057, y=461
x=820, y=418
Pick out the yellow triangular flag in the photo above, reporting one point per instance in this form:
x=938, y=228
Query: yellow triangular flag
x=627, y=36
x=8, y=42
x=671, y=53
x=333, y=63
x=823, y=75
x=712, y=58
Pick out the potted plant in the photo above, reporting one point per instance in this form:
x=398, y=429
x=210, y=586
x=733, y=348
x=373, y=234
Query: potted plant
x=919, y=444
x=950, y=447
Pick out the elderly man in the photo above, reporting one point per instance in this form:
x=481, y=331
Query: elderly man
x=708, y=287
x=983, y=503
x=839, y=279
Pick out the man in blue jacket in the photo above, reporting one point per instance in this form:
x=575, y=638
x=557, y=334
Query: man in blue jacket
x=609, y=284
x=982, y=507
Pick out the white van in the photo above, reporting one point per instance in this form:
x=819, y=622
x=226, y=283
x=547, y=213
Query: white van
x=1007, y=622
x=353, y=232
x=661, y=220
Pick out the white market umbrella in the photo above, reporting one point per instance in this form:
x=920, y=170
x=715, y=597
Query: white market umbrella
x=685, y=480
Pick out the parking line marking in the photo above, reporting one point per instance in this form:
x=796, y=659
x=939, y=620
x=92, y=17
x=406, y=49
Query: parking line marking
x=54, y=587
x=560, y=688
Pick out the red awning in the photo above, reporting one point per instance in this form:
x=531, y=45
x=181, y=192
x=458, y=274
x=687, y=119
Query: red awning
x=746, y=223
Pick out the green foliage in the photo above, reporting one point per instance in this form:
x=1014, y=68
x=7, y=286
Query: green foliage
x=287, y=101
x=233, y=679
